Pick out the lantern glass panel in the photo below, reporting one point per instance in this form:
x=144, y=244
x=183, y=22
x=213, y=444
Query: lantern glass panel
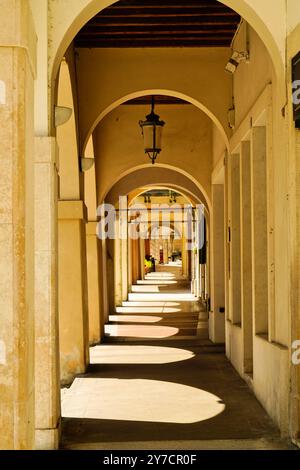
x=149, y=140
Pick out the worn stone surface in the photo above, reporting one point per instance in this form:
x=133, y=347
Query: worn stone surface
x=47, y=402
x=114, y=388
x=17, y=59
x=178, y=391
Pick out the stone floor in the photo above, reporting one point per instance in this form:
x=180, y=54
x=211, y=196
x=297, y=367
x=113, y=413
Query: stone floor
x=152, y=388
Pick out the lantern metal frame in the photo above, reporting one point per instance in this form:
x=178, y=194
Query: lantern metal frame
x=153, y=120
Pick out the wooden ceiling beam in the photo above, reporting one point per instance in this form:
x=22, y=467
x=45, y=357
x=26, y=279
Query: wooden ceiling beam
x=158, y=21
x=167, y=3
x=159, y=100
x=161, y=23
x=156, y=34
x=151, y=43
x=166, y=14
x=99, y=29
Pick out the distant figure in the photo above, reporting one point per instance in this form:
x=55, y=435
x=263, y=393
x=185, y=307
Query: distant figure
x=148, y=264
x=153, y=263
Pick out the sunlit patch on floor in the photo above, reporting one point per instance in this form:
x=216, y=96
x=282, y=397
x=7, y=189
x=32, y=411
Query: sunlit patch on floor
x=157, y=281
x=149, y=304
x=130, y=309
x=134, y=318
x=140, y=331
x=149, y=288
x=131, y=354
x=139, y=400
x=145, y=296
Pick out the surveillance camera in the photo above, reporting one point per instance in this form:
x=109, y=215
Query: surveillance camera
x=235, y=60
x=231, y=66
x=240, y=56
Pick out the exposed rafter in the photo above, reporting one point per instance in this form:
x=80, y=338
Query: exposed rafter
x=165, y=23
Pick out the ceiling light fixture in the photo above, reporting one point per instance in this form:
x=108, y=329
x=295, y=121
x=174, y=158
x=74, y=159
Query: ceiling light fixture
x=152, y=133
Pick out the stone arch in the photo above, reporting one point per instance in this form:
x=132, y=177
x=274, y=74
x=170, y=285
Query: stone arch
x=66, y=134
x=164, y=92
x=161, y=174
x=171, y=226
x=182, y=192
x=253, y=11
x=162, y=223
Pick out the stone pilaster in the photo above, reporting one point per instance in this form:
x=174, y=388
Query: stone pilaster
x=117, y=265
x=217, y=319
x=246, y=257
x=235, y=240
x=17, y=70
x=260, y=281
x=73, y=299
x=166, y=251
x=47, y=389
x=124, y=245
x=94, y=285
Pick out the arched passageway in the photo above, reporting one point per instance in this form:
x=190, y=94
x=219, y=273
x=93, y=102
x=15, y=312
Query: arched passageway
x=71, y=103
x=225, y=172
x=157, y=340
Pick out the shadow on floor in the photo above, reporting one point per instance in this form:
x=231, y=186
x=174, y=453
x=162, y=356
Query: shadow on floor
x=119, y=388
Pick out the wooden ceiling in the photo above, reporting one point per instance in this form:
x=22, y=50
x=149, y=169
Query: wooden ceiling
x=161, y=23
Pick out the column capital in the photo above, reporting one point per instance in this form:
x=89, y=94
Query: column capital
x=46, y=150
x=72, y=210
x=91, y=228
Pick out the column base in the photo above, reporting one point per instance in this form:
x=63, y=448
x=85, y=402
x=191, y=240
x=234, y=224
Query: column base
x=47, y=439
x=216, y=327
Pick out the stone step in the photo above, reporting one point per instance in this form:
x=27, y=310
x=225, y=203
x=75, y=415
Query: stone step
x=155, y=318
x=136, y=296
x=134, y=332
x=158, y=312
x=166, y=316
x=136, y=318
x=117, y=320
x=201, y=342
x=130, y=339
x=171, y=307
x=160, y=276
x=166, y=281
x=155, y=288
x=164, y=303
x=155, y=311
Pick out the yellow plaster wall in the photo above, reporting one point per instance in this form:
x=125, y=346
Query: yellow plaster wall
x=186, y=143
x=293, y=15
x=250, y=79
x=69, y=187
x=293, y=47
x=118, y=74
x=218, y=145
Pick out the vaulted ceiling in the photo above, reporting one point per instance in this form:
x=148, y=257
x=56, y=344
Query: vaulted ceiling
x=161, y=23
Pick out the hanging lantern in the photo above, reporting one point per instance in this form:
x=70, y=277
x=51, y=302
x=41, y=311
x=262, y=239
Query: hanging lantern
x=152, y=133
